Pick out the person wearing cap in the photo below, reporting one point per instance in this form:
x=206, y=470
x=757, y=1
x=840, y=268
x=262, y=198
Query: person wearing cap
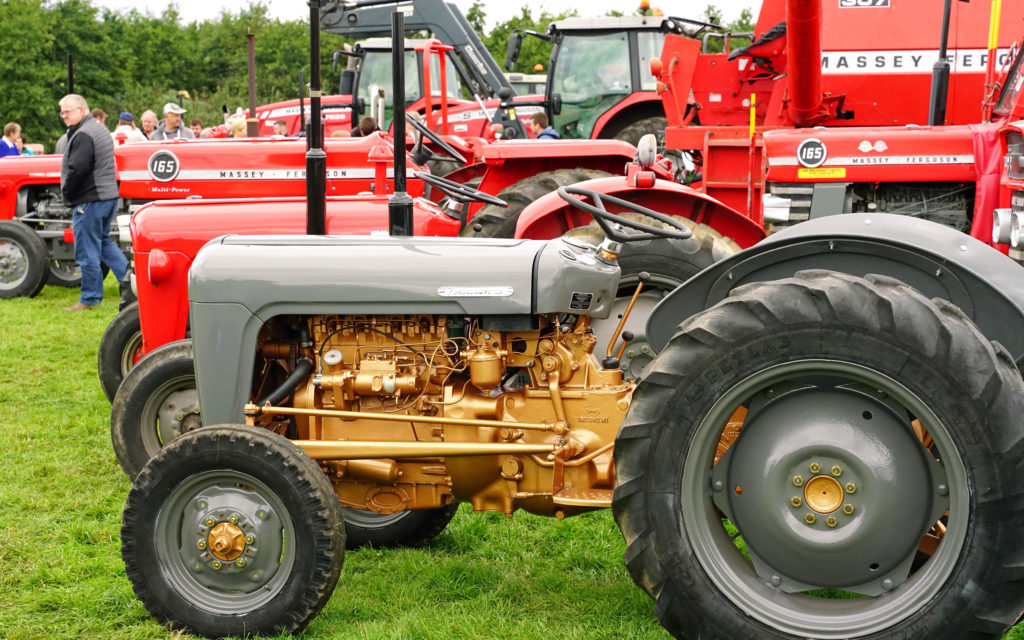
x=126, y=131
x=171, y=128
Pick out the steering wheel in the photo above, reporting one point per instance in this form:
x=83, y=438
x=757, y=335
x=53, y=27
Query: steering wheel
x=458, y=191
x=419, y=151
x=612, y=224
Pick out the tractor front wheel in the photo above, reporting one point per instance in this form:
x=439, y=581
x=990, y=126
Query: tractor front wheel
x=402, y=529
x=119, y=349
x=23, y=261
x=232, y=531
x=156, y=402
x=825, y=456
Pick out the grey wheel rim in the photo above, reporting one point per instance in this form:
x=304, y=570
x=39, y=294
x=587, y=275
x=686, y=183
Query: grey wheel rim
x=372, y=519
x=130, y=352
x=171, y=410
x=801, y=614
x=65, y=270
x=13, y=263
x=233, y=579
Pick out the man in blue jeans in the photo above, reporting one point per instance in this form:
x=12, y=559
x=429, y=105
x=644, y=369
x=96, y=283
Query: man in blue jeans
x=88, y=183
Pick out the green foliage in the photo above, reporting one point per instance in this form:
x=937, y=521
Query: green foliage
x=534, y=50
x=744, y=24
x=132, y=61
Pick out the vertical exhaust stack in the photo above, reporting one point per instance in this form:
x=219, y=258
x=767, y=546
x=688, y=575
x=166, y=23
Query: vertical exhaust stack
x=940, y=75
x=400, y=205
x=252, y=124
x=803, y=41
x=316, y=158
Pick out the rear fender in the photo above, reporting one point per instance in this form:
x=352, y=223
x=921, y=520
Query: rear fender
x=934, y=259
x=550, y=216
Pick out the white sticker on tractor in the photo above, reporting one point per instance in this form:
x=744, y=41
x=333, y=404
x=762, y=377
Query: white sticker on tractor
x=163, y=166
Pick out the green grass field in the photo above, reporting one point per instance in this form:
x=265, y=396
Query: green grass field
x=62, y=491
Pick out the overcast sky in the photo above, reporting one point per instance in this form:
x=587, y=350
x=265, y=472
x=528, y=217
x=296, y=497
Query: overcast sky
x=495, y=10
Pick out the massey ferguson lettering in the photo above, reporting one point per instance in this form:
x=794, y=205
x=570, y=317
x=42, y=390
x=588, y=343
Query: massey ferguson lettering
x=907, y=61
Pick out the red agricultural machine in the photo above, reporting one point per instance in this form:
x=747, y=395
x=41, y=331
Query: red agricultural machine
x=876, y=64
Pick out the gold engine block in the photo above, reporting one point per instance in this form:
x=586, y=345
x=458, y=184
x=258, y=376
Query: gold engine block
x=413, y=412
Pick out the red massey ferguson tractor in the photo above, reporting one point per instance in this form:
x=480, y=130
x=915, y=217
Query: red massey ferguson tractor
x=876, y=63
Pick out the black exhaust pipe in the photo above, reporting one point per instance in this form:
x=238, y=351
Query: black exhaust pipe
x=940, y=75
x=400, y=204
x=316, y=158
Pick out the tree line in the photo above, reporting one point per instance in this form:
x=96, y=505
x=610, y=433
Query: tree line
x=129, y=61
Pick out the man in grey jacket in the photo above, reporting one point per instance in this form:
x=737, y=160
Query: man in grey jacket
x=171, y=128
x=88, y=183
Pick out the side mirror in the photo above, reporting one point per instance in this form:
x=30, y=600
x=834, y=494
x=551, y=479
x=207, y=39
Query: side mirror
x=335, y=56
x=515, y=44
x=556, y=104
x=348, y=82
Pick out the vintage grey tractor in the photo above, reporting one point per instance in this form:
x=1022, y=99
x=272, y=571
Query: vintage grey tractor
x=827, y=441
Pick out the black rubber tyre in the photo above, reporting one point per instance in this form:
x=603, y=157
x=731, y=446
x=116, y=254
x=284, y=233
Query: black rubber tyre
x=669, y=262
x=156, y=403
x=832, y=369
x=218, y=496
x=403, y=529
x=500, y=222
x=23, y=261
x=119, y=349
x=640, y=128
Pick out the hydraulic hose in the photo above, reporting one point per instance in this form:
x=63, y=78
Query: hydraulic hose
x=302, y=370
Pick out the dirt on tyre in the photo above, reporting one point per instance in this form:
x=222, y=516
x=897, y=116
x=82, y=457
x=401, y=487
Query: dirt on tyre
x=156, y=402
x=232, y=531
x=492, y=221
x=793, y=451
x=23, y=261
x=119, y=349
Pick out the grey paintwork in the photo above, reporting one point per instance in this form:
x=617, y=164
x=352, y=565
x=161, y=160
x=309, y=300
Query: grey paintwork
x=237, y=283
x=934, y=259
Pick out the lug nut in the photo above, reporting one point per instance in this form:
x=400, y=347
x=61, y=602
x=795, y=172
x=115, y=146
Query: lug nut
x=210, y=522
x=851, y=488
x=216, y=565
x=796, y=501
x=848, y=509
x=836, y=471
x=249, y=539
x=809, y=518
x=798, y=481
x=179, y=417
x=815, y=467
x=201, y=545
x=233, y=518
x=831, y=521
x=240, y=563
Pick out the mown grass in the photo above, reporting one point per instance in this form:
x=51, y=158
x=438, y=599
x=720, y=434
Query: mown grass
x=61, y=494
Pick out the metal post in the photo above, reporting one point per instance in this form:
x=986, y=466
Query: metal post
x=400, y=204
x=252, y=125
x=71, y=73
x=316, y=158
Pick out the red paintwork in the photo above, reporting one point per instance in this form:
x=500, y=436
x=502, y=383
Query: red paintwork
x=549, y=216
x=19, y=171
x=174, y=231
x=249, y=167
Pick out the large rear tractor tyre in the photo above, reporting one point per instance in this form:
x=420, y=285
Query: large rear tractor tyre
x=232, y=531
x=403, y=529
x=156, y=402
x=640, y=128
x=793, y=452
x=669, y=262
x=119, y=349
x=23, y=261
x=492, y=221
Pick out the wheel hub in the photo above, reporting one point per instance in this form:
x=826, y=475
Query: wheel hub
x=12, y=263
x=823, y=494
x=226, y=541
x=829, y=487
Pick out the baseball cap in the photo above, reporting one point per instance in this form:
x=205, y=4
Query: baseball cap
x=170, y=107
x=126, y=116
